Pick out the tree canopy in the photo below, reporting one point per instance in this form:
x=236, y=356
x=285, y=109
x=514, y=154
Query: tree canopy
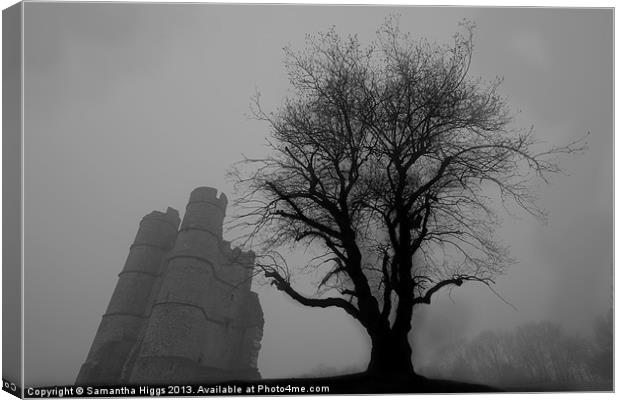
x=388, y=158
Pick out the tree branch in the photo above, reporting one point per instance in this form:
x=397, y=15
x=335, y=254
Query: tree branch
x=283, y=285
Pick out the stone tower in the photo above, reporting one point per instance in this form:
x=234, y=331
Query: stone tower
x=182, y=310
x=129, y=306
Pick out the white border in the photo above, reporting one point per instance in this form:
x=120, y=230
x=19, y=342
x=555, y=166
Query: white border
x=478, y=3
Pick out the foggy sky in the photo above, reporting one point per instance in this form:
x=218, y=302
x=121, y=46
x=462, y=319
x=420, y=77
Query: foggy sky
x=128, y=107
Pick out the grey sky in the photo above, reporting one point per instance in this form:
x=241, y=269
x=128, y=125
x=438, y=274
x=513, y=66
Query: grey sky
x=130, y=106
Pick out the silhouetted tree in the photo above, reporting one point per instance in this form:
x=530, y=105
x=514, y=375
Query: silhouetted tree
x=384, y=155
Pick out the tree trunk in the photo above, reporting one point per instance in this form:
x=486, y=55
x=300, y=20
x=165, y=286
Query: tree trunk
x=390, y=356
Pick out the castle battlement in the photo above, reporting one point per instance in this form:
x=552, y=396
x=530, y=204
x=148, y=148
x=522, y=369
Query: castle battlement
x=182, y=310
x=205, y=211
x=171, y=216
x=209, y=195
x=237, y=255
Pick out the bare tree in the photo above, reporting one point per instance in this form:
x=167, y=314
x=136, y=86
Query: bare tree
x=602, y=362
x=535, y=356
x=387, y=157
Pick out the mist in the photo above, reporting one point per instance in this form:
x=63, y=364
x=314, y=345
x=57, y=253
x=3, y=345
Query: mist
x=128, y=107
x=536, y=356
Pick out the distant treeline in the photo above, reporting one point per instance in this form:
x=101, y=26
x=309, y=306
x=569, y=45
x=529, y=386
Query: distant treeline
x=533, y=357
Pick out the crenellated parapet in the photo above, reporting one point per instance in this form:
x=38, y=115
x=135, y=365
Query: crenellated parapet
x=236, y=255
x=205, y=211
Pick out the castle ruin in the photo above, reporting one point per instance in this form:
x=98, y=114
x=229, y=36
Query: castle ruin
x=182, y=310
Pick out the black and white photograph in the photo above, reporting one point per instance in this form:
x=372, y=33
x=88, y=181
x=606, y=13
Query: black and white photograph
x=301, y=199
